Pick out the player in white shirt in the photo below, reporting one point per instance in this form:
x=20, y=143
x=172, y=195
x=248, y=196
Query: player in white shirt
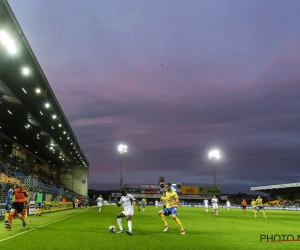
x=206, y=205
x=99, y=202
x=127, y=202
x=228, y=204
x=156, y=203
x=214, y=202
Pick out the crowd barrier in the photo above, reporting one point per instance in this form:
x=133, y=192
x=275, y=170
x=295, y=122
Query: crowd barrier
x=50, y=206
x=250, y=207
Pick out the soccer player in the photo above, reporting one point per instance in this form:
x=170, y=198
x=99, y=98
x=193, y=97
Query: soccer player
x=206, y=205
x=244, y=205
x=156, y=203
x=39, y=199
x=99, y=202
x=9, y=201
x=21, y=196
x=228, y=204
x=253, y=204
x=171, y=208
x=126, y=200
x=144, y=203
x=214, y=202
x=259, y=203
x=163, y=200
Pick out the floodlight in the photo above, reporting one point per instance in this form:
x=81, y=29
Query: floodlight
x=25, y=71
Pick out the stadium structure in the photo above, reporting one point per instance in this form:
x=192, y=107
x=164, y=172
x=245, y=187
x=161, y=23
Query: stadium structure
x=37, y=144
x=289, y=193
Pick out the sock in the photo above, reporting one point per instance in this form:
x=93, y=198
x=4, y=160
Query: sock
x=120, y=223
x=217, y=212
x=264, y=213
x=178, y=223
x=21, y=217
x=255, y=212
x=163, y=218
x=99, y=210
x=130, y=226
x=6, y=216
x=10, y=219
x=213, y=211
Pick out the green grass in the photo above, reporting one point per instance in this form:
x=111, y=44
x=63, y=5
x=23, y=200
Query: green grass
x=89, y=230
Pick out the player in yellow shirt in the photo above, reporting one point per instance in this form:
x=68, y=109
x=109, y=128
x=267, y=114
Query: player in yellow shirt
x=259, y=206
x=163, y=200
x=144, y=203
x=171, y=208
x=253, y=204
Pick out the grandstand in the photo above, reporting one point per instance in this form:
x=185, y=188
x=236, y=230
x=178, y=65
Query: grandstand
x=285, y=195
x=37, y=144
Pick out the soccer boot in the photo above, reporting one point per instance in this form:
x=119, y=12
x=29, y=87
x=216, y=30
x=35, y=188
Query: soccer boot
x=128, y=232
x=119, y=232
x=182, y=231
x=167, y=227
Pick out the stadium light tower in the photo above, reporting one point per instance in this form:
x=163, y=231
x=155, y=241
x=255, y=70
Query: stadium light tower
x=122, y=149
x=214, y=155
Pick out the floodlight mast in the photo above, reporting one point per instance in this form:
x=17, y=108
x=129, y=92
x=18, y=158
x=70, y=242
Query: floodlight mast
x=214, y=155
x=122, y=149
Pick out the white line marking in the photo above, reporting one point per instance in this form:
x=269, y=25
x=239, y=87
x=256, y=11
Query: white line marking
x=10, y=237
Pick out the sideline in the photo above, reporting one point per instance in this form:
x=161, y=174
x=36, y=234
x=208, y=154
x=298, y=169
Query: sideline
x=10, y=237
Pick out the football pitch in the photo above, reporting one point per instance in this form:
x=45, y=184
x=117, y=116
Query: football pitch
x=88, y=229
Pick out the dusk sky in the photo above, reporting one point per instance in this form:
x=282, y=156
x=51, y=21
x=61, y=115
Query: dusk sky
x=173, y=79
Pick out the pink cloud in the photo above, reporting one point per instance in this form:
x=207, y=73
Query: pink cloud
x=88, y=122
x=289, y=56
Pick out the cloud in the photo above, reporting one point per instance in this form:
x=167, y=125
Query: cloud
x=93, y=122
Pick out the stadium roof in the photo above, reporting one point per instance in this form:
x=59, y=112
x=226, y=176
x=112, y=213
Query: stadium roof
x=279, y=188
x=25, y=118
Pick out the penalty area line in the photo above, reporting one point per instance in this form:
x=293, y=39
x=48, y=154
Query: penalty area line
x=13, y=236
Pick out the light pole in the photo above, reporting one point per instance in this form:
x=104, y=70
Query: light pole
x=214, y=154
x=122, y=149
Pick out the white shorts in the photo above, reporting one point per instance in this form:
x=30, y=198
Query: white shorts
x=99, y=204
x=215, y=206
x=206, y=206
x=128, y=212
x=228, y=206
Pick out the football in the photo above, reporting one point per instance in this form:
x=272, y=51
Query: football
x=112, y=229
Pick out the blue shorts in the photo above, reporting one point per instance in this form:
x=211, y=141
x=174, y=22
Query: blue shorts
x=39, y=204
x=260, y=207
x=7, y=207
x=170, y=210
